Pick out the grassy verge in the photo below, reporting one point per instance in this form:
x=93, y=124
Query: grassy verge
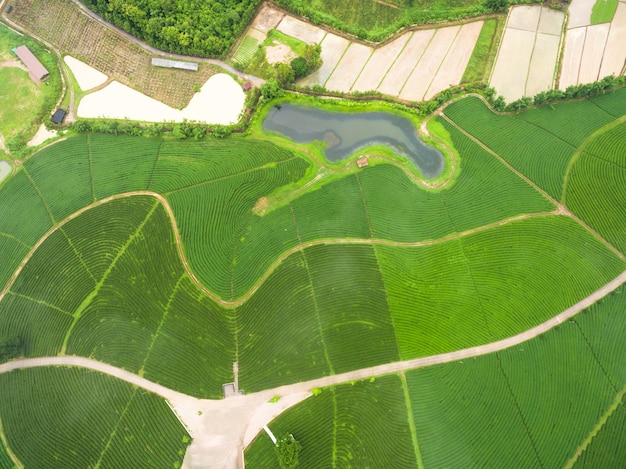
x=603, y=11
x=484, y=52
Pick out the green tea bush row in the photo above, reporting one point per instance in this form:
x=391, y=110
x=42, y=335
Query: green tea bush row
x=49, y=417
x=530, y=149
x=279, y=333
x=55, y=275
x=40, y=328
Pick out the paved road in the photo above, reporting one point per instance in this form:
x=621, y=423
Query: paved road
x=222, y=428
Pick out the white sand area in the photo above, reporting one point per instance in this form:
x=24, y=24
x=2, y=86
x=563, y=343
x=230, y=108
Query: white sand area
x=220, y=101
x=41, y=136
x=5, y=170
x=86, y=76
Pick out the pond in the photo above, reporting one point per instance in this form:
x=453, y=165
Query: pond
x=5, y=170
x=346, y=133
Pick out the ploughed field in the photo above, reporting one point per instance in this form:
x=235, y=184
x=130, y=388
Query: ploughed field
x=148, y=254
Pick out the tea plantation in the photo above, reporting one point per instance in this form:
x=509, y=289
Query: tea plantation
x=150, y=255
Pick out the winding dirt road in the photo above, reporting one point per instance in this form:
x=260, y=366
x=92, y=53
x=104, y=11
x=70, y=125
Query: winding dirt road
x=221, y=429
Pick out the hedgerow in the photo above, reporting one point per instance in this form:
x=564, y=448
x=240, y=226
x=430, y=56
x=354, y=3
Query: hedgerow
x=69, y=417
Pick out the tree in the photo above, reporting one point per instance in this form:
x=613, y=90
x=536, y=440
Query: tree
x=312, y=54
x=497, y=5
x=284, y=73
x=288, y=449
x=300, y=67
x=272, y=89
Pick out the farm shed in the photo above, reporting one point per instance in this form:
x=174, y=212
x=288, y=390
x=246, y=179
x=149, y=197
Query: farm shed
x=166, y=63
x=35, y=67
x=58, y=116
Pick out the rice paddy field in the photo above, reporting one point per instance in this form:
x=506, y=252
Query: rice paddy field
x=151, y=255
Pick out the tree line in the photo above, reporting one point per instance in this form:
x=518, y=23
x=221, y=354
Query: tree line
x=191, y=27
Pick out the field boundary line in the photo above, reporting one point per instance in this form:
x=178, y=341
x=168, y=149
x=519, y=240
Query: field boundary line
x=532, y=52
x=581, y=149
x=596, y=429
x=279, y=260
x=411, y=421
x=3, y=439
x=562, y=209
x=417, y=62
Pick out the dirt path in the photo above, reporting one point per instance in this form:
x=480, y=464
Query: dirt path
x=279, y=260
x=221, y=429
x=256, y=80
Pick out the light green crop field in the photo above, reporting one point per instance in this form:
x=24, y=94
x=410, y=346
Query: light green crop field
x=603, y=11
x=552, y=401
x=152, y=256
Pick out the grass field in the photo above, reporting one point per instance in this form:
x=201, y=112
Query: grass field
x=72, y=32
x=24, y=104
x=603, y=11
x=49, y=415
x=245, y=51
x=480, y=412
x=484, y=53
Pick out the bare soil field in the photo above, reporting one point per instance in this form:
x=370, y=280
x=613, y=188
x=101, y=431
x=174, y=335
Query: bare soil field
x=580, y=13
x=380, y=61
x=528, y=53
x=347, y=71
x=87, y=77
x=300, y=30
x=62, y=24
x=593, y=52
x=333, y=48
x=399, y=72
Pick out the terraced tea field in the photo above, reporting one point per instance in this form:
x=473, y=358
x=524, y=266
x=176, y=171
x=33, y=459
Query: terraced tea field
x=555, y=401
x=150, y=255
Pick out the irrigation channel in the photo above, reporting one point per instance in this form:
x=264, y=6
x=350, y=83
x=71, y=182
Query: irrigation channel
x=346, y=133
x=221, y=429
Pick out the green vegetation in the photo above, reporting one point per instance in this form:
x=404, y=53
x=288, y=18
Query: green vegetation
x=484, y=53
x=202, y=29
x=603, y=11
x=246, y=50
x=538, y=143
x=24, y=104
x=538, y=404
x=329, y=424
x=377, y=20
x=68, y=417
x=601, y=170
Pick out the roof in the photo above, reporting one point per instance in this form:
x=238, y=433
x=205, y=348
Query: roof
x=362, y=162
x=35, y=67
x=175, y=64
x=58, y=116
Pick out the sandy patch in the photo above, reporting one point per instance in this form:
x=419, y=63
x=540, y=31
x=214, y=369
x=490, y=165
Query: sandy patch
x=452, y=68
x=41, y=136
x=580, y=13
x=592, y=52
x=220, y=101
x=5, y=170
x=406, y=62
x=378, y=64
x=86, y=76
x=267, y=18
x=333, y=48
x=572, y=55
x=300, y=30
x=279, y=53
x=424, y=72
x=349, y=68
x=13, y=64
x=541, y=71
x=551, y=22
x=525, y=17
x=615, y=52
x=511, y=69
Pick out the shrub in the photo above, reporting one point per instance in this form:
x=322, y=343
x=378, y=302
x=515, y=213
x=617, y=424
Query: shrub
x=300, y=67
